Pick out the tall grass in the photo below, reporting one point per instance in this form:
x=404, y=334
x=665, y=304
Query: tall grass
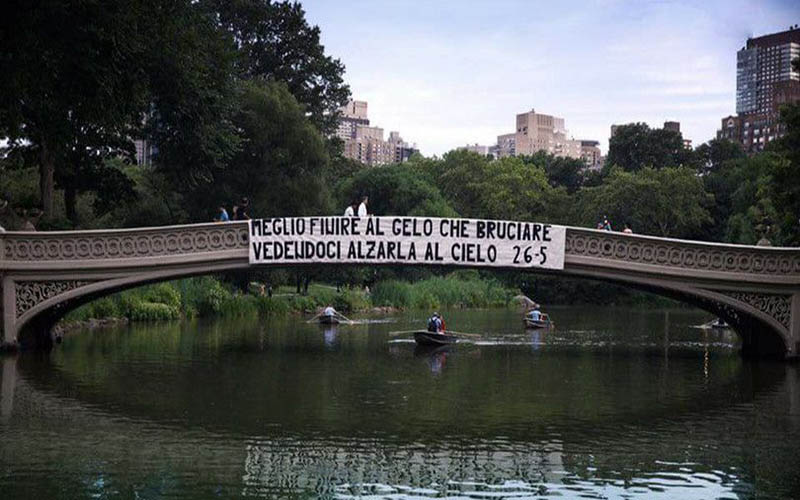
x=210, y=297
x=454, y=290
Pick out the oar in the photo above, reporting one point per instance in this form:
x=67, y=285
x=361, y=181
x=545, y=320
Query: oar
x=315, y=317
x=477, y=335
x=401, y=332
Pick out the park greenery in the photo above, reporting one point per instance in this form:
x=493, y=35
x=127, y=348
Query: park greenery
x=240, y=99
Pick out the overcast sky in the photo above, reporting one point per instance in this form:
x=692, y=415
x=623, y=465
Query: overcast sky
x=448, y=73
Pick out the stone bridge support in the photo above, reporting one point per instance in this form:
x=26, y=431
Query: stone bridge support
x=44, y=275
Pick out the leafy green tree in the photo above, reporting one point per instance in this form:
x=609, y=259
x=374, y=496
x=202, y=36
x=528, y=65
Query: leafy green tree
x=275, y=41
x=281, y=165
x=636, y=146
x=507, y=188
x=561, y=171
x=83, y=76
x=714, y=154
x=669, y=202
x=787, y=173
x=395, y=190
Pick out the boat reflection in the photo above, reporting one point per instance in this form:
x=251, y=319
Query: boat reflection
x=329, y=335
x=436, y=356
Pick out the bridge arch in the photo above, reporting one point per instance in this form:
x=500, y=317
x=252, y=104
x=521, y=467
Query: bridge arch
x=756, y=289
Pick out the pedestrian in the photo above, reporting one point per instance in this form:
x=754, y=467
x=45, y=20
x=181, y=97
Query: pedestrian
x=244, y=209
x=362, y=209
x=627, y=229
x=350, y=211
x=606, y=224
x=222, y=215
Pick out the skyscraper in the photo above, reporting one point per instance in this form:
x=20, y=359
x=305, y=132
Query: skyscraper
x=765, y=79
x=537, y=132
x=365, y=143
x=760, y=65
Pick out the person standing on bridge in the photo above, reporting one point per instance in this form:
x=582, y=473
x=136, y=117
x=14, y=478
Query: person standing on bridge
x=350, y=211
x=222, y=215
x=362, y=209
x=244, y=209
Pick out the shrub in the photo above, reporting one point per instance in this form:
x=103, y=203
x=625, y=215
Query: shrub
x=350, y=300
x=152, y=311
x=163, y=293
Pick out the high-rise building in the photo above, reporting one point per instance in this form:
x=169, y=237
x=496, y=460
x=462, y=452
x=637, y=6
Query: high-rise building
x=353, y=115
x=540, y=132
x=365, y=143
x=590, y=154
x=145, y=151
x=763, y=62
x=506, y=145
x=765, y=79
x=536, y=132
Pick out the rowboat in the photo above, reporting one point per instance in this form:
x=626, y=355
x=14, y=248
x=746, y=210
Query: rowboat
x=542, y=322
x=423, y=337
x=720, y=324
x=328, y=320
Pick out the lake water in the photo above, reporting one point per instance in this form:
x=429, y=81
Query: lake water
x=611, y=403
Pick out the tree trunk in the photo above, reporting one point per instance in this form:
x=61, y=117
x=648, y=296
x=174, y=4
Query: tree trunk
x=46, y=185
x=70, y=195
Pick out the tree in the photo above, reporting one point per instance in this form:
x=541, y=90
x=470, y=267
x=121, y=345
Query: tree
x=669, y=202
x=80, y=77
x=507, y=188
x=281, y=164
x=787, y=173
x=275, y=41
x=561, y=171
x=396, y=190
x=716, y=153
x=64, y=68
x=636, y=146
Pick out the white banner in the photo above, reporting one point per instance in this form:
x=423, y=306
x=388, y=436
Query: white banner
x=406, y=240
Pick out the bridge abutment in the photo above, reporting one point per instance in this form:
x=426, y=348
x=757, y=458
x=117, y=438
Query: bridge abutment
x=794, y=327
x=8, y=332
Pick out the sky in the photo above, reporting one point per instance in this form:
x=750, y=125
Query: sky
x=448, y=73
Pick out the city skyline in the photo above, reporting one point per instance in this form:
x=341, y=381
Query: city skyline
x=452, y=73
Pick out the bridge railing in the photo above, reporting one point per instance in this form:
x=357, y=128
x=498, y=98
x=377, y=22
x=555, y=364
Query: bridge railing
x=167, y=244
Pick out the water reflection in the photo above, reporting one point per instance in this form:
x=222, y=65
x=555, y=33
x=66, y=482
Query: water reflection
x=7, y=386
x=643, y=408
x=329, y=334
x=436, y=356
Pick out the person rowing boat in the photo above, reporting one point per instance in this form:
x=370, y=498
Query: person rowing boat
x=436, y=324
x=330, y=316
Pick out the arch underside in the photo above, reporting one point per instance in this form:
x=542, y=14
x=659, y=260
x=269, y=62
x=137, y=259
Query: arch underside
x=42, y=302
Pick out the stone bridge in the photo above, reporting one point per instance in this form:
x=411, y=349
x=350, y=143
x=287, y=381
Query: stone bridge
x=46, y=274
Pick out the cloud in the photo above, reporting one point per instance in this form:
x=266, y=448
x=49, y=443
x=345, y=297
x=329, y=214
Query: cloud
x=449, y=73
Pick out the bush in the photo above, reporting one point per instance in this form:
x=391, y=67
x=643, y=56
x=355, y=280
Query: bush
x=163, y=293
x=268, y=306
x=350, y=300
x=104, y=308
x=152, y=311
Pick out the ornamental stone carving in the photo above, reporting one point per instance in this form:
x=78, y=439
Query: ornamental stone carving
x=124, y=244
x=777, y=306
x=681, y=254
x=31, y=293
